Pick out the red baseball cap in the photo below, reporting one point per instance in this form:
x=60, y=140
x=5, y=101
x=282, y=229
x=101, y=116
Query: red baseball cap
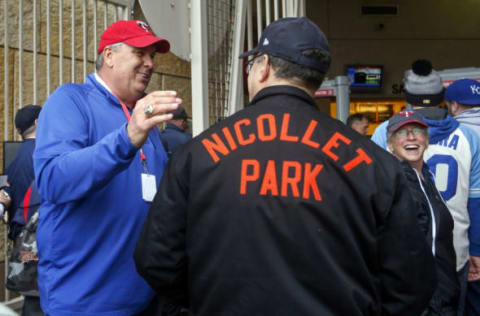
x=134, y=33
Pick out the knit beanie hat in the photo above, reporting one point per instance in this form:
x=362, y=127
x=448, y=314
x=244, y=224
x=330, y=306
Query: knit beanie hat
x=423, y=85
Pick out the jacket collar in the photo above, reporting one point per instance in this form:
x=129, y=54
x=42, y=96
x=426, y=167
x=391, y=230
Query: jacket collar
x=282, y=90
x=410, y=173
x=174, y=127
x=92, y=79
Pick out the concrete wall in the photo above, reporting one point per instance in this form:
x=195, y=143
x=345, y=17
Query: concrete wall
x=443, y=31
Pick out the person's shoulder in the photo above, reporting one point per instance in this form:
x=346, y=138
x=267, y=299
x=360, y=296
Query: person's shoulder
x=471, y=135
x=74, y=87
x=69, y=90
x=68, y=94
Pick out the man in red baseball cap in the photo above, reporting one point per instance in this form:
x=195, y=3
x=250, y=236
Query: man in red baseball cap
x=98, y=161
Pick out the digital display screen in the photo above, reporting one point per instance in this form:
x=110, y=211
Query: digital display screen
x=365, y=76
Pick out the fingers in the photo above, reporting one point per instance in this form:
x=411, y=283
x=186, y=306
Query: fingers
x=163, y=106
x=150, y=111
x=159, y=102
x=473, y=277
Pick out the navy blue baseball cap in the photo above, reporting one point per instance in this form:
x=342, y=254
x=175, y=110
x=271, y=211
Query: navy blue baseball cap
x=26, y=116
x=289, y=38
x=464, y=91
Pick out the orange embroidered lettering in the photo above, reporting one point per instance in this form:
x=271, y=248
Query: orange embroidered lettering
x=229, y=138
x=310, y=181
x=333, y=142
x=306, y=139
x=292, y=181
x=284, y=130
x=272, y=128
x=362, y=157
x=241, y=140
x=269, y=182
x=245, y=176
x=213, y=147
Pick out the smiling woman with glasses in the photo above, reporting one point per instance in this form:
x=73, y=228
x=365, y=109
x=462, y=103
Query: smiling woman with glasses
x=408, y=140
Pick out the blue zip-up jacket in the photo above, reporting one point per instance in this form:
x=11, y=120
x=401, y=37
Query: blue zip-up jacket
x=455, y=150
x=89, y=176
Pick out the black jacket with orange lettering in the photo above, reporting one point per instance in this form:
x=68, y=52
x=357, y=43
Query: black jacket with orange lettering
x=282, y=210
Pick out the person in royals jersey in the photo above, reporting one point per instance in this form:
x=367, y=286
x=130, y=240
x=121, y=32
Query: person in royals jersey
x=463, y=102
x=282, y=210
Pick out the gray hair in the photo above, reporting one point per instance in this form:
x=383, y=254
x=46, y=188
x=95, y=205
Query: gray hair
x=305, y=76
x=99, y=62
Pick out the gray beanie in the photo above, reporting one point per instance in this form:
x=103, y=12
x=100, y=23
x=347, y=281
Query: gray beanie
x=423, y=85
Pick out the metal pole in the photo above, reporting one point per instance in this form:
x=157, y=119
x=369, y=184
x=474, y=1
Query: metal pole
x=259, y=19
x=85, y=52
x=235, y=97
x=199, y=66
x=20, y=54
x=60, y=42
x=342, y=89
x=95, y=44
x=268, y=14
x=105, y=20
x=73, y=41
x=275, y=9
x=35, y=73
x=249, y=25
x=48, y=48
x=303, y=9
x=5, y=117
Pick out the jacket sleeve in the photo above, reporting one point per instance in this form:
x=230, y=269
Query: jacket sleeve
x=160, y=254
x=379, y=136
x=407, y=268
x=474, y=229
x=64, y=155
x=473, y=205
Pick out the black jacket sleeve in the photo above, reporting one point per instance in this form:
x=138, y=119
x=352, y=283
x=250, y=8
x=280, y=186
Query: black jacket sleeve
x=407, y=268
x=160, y=255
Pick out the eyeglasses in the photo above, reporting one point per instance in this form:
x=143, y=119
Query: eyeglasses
x=249, y=63
x=415, y=131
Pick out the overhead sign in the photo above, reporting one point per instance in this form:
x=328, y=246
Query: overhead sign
x=323, y=93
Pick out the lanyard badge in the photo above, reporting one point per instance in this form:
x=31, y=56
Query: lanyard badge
x=149, y=183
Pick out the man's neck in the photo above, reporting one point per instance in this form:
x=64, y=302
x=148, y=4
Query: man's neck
x=283, y=82
x=29, y=136
x=107, y=84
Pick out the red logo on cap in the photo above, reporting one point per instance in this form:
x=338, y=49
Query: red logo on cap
x=144, y=26
x=406, y=113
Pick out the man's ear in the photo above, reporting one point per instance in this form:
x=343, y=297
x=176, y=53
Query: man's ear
x=108, y=57
x=265, y=71
x=455, y=107
x=390, y=146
